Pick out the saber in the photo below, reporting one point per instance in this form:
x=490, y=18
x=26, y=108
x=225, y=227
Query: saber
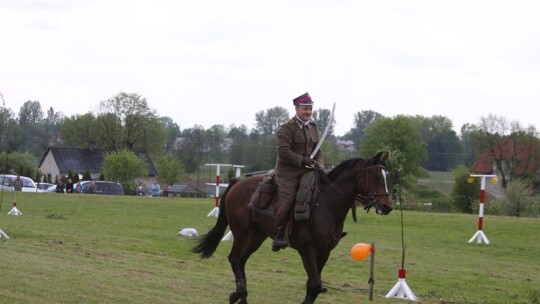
x=330, y=119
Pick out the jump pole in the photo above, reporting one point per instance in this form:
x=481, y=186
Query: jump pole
x=480, y=236
x=2, y=233
x=215, y=211
x=237, y=174
x=238, y=170
x=401, y=290
x=14, y=210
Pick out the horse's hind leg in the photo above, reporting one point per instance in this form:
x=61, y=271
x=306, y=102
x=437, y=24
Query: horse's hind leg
x=242, y=249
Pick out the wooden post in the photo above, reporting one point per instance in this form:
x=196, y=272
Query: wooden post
x=372, y=271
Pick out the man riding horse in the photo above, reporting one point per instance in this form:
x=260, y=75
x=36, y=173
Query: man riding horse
x=296, y=140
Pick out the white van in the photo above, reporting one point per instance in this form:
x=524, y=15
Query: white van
x=7, y=182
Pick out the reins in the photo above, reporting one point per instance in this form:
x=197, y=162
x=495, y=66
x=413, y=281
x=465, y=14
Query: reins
x=367, y=201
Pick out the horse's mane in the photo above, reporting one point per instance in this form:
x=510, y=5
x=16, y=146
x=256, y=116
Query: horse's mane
x=344, y=166
x=348, y=164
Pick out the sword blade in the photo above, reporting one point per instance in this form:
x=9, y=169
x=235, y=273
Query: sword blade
x=330, y=120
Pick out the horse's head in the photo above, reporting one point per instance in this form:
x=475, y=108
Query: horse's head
x=371, y=184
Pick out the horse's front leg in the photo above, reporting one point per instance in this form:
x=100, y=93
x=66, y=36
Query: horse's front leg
x=240, y=293
x=314, y=283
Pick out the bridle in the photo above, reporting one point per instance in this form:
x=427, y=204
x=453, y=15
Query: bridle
x=368, y=201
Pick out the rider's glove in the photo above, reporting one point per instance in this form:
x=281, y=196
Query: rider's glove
x=308, y=162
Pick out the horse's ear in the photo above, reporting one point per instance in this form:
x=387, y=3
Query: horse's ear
x=377, y=158
x=385, y=156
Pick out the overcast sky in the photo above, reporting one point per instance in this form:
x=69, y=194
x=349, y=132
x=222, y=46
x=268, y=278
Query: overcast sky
x=220, y=62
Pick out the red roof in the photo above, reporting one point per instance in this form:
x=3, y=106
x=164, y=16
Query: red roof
x=527, y=158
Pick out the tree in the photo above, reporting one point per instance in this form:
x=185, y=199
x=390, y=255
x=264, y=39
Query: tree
x=518, y=199
x=215, y=136
x=9, y=130
x=125, y=119
x=443, y=145
x=362, y=121
x=52, y=123
x=123, y=167
x=407, y=150
x=321, y=118
x=192, y=149
x=78, y=131
x=465, y=192
x=30, y=115
x=154, y=138
x=240, y=144
x=170, y=171
x=468, y=133
x=268, y=122
x=172, y=132
x=511, y=148
x=22, y=163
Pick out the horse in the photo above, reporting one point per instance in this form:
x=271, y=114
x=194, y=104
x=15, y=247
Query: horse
x=354, y=180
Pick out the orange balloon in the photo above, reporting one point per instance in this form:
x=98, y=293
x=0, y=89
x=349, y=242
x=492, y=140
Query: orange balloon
x=360, y=251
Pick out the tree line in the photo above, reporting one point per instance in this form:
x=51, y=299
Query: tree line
x=417, y=144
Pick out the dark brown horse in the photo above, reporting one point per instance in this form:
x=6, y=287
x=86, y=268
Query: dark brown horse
x=357, y=179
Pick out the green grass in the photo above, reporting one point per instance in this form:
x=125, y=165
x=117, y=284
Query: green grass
x=440, y=181
x=124, y=249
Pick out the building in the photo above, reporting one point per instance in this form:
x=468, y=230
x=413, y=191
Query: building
x=57, y=162
x=345, y=145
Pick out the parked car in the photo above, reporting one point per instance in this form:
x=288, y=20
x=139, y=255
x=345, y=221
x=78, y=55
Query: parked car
x=44, y=186
x=7, y=182
x=102, y=187
x=51, y=188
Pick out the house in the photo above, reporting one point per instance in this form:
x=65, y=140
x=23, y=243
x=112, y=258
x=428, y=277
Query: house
x=520, y=156
x=345, y=145
x=58, y=162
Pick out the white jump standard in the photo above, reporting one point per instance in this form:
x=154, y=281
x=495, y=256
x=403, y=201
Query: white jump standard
x=215, y=211
x=480, y=236
x=14, y=210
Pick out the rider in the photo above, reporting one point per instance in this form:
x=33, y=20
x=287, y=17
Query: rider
x=296, y=140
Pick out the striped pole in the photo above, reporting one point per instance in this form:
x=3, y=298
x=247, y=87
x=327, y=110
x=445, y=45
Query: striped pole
x=480, y=236
x=215, y=211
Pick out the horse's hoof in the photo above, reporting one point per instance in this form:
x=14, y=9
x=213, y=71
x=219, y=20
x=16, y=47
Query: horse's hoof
x=323, y=289
x=233, y=298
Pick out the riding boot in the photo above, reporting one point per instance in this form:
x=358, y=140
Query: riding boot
x=279, y=240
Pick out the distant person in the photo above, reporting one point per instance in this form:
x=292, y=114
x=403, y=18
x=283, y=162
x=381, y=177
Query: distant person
x=69, y=186
x=140, y=189
x=78, y=187
x=166, y=191
x=154, y=190
x=92, y=188
x=17, y=183
x=60, y=187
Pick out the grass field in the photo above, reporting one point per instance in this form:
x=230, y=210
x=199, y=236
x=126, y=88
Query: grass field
x=123, y=249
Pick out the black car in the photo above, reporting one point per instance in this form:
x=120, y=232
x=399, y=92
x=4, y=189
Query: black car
x=102, y=187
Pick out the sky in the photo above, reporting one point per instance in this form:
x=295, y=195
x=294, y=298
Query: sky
x=220, y=62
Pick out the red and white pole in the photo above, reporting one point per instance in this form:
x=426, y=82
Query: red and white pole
x=14, y=210
x=215, y=211
x=401, y=290
x=480, y=236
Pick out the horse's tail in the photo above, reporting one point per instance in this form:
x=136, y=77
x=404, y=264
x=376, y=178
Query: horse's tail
x=208, y=243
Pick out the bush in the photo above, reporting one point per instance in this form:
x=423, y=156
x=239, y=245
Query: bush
x=464, y=193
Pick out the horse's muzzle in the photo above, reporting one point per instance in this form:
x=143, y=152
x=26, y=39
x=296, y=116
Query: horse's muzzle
x=384, y=210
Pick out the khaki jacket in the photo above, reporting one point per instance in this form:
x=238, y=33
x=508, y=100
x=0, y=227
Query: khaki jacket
x=294, y=141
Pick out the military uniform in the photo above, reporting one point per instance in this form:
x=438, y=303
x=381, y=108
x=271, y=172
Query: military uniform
x=296, y=140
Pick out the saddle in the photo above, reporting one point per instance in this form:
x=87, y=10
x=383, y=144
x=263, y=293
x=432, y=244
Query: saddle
x=264, y=198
